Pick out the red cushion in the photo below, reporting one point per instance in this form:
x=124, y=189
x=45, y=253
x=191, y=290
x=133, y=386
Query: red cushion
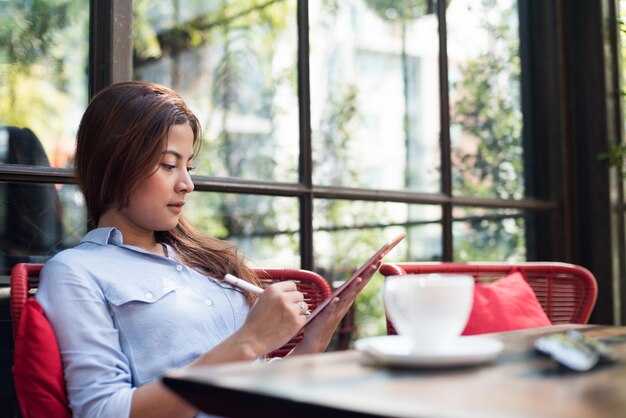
x=506, y=304
x=37, y=369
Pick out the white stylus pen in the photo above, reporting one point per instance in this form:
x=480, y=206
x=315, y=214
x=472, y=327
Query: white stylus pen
x=242, y=284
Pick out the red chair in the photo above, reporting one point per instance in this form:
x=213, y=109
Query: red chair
x=24, y=280
x=42, y=395
x=37, y=367
x=567, y=293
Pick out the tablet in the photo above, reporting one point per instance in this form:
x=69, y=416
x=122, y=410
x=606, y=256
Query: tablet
x=361, y=272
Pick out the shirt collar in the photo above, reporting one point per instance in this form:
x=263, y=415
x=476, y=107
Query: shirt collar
x=104, y=236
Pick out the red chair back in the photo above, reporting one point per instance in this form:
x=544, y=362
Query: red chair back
x=24, y=277
x=567, y=293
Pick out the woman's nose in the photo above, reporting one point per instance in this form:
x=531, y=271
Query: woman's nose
x=185, y=183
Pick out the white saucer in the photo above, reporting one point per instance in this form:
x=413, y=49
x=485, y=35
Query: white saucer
x=395, y=350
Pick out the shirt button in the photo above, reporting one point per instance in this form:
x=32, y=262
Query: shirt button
x=149, y=295
x=208, y=302
x=179, y=268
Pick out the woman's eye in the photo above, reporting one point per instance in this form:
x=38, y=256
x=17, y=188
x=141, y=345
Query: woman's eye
x=190, y=169
x=168, y=167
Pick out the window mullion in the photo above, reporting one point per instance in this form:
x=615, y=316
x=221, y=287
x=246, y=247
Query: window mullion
x=446, y=163
x=306, y=158
x=110, y=39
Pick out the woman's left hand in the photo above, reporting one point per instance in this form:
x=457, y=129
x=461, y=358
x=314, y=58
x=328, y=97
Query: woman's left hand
x=318, y=333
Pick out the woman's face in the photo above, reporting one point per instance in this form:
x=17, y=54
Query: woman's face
x=158, y=200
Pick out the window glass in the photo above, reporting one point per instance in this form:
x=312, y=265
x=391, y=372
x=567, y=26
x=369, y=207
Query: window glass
x=38, y=220
x=347, y=233
x=489, y=235
x=43, y=80
x=234, y=62
x=485, y=98
x=375, y=94
x=264, y=228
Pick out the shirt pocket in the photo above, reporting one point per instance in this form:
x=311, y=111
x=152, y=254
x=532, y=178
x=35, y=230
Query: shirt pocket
x=141, y=310
x=144, y=305
x=147, y=318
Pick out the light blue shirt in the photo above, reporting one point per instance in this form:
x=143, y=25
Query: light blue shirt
x=124, y=317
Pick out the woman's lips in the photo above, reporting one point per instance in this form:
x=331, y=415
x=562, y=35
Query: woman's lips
x=176, y=207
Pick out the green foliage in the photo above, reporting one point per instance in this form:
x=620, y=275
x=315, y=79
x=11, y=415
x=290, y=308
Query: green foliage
x=616, y=157
x=488, y=110
x=490, y=237
x=616, y=154
x=488, y=158
x=179, y=36
x=28, y=30
x=43, y=49
x=145, y=40
x=249, y=35
x=336, y=161
x=369, y=309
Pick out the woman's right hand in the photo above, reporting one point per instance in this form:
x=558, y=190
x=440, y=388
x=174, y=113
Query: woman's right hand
x=276, y=317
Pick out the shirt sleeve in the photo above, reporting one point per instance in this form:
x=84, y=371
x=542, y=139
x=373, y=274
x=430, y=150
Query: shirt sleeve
x=97, y=372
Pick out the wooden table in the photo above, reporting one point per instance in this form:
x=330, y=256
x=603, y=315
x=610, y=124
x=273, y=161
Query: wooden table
x=518, y=383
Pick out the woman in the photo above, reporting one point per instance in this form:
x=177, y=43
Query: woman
x=142, y=294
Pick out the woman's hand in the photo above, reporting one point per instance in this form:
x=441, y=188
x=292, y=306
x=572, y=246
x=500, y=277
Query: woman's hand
x=276, y=316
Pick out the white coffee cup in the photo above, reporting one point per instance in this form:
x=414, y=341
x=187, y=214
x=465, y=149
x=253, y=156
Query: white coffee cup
x=430, y=309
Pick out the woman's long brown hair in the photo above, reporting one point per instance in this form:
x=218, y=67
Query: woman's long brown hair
x=120, y=142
